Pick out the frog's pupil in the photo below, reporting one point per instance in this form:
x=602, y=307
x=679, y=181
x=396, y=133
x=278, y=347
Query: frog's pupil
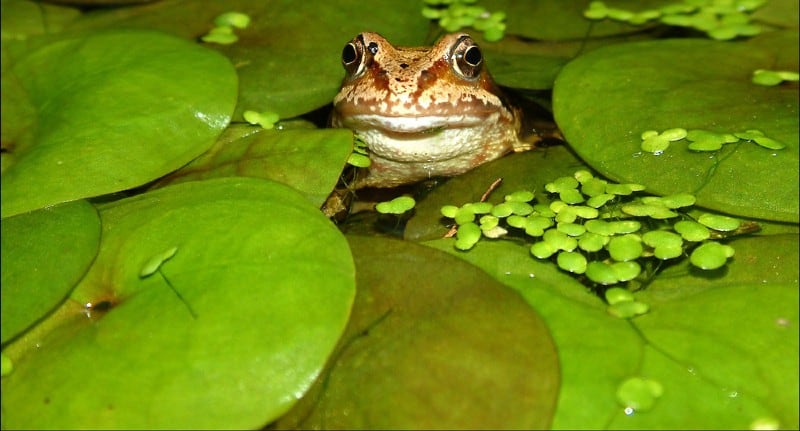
x=348, y=54
x=373, y=48
x=473, y=56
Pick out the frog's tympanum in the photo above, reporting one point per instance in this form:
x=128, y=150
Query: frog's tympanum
x=423, y=112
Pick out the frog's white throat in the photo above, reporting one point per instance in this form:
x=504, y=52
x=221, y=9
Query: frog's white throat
x=430, y=139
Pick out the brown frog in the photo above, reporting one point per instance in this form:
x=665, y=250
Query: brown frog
x=423, y=112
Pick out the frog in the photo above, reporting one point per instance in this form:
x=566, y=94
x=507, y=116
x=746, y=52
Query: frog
x=423, y=112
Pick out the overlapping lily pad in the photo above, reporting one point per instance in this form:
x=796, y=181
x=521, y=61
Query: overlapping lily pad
x=433, y=343
x=604, y=100
x=211, y=304
x=45, y=253
x=724, y=348
x=288, y=58
x=308, y=160
x=113, y=111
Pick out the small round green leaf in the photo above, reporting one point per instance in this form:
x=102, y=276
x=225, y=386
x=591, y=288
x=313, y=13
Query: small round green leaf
x=571, y=229
x=616, y=295
x=571, y=261
x=601, y=273
x=504, y=209
x=233, y=19
x=625, y=226
x=711, y=255
x=559, y=240
x=464, y=215
x=662, y=238
x=542, y=250
x=626, y=270
x=599, y=200
x=592, y=242
x=593, y=186
x=692, y=231
x=627, y=310
x=719, y=222
x=600, y=227
x=479, y=207
x=625, y=248
x=562, y=184
x=467, y=236
x=678, y=200
x=639, y=394
x=520, y=196
x=571, y=196
x=449, y=211
x=398, y=205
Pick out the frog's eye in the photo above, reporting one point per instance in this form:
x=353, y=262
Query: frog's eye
x=466, y=58
x=354, y=59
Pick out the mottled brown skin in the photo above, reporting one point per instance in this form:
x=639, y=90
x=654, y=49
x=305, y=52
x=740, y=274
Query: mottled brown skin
x=423, y=111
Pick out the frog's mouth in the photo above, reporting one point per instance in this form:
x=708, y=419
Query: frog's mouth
x=410, y=127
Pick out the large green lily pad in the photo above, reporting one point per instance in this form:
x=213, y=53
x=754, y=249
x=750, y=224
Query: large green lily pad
x=604, y=100
x=211, y=304
x=723, y=345
x=433, y=343
x=308, y=160
x=288, y=58
x=45, y=253
x=114, y=110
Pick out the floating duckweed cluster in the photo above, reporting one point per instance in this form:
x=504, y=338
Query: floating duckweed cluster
x=774, y=77
x=222, y=33
x=454, y=15
x=720, y=19
x=599, y=229
x=266, y=119
x=704, y=140
x=398, y=205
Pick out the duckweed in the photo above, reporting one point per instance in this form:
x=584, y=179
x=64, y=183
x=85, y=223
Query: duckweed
x=266, y=119
x=773, y=77
x=454, y=15
x=619, y=238
x=639, y=394
x=720, y=20
x=155, y=262
x=704, y=140
x=398, y=205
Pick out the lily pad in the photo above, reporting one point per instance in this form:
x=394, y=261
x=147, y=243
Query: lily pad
x=284, y=63
x=249, y=307
x=45, y=253
x=428, y=349
x=114, y=111
x=605, y=99
x=308, y=160
x=722, y=345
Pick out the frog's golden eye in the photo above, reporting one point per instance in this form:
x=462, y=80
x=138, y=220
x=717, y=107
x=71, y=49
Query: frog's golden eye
x=466, y=58
x=354, y=58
